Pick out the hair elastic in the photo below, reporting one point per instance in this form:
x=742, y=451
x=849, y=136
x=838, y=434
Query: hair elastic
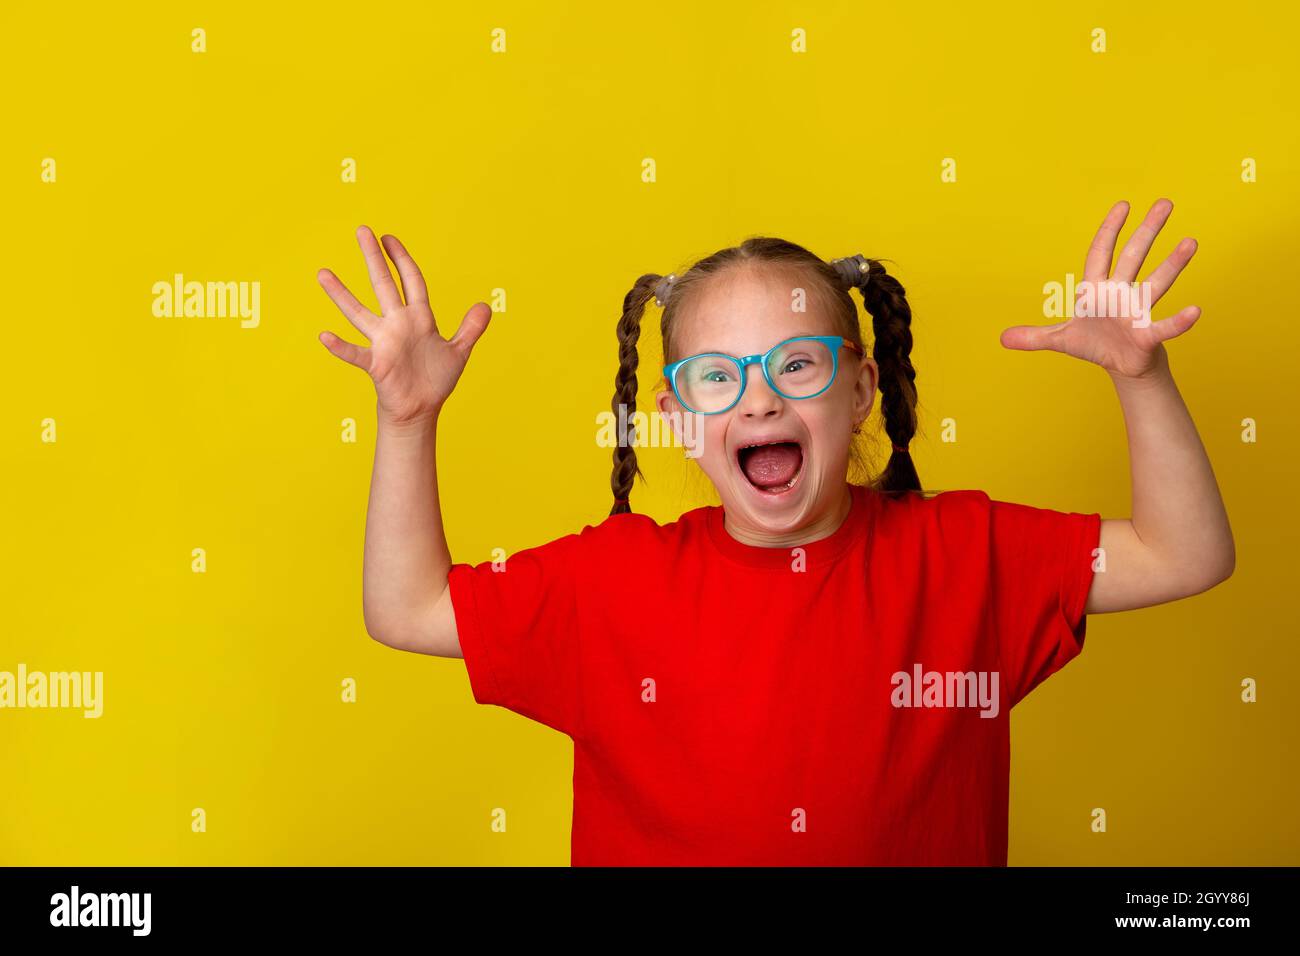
x=663, y=287
x=854, y=270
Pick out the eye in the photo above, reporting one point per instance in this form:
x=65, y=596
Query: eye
x=708, y=370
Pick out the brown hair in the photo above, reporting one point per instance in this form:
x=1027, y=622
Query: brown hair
x=883, y=297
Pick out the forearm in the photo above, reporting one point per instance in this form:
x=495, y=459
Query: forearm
x=406, y=554
x=1177, y=510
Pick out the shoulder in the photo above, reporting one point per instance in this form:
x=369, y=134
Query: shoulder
x=932, y=526
x=633, y=530
x=968, y=520
x=949, y=512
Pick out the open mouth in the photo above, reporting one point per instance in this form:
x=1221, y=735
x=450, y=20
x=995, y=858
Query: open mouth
x=772, y=468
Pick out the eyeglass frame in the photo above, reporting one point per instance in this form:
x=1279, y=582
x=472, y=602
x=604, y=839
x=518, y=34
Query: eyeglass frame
x=833, y=345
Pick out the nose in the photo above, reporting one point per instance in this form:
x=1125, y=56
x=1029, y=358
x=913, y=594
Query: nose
x=759, y=399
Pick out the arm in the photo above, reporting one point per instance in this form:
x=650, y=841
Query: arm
x=1178, y=542
x=405, y=597
x=404, y=580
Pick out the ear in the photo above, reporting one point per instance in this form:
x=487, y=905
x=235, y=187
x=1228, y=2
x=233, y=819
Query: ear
x=864, y=387
x=669, y=411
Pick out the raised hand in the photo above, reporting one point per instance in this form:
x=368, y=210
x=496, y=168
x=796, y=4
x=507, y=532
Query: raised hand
x=413, y=367
x=1112, y=325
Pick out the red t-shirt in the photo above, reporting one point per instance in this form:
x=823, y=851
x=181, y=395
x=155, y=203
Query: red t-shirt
x=739, y=705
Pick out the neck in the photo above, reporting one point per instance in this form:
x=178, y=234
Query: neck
x=820, y=527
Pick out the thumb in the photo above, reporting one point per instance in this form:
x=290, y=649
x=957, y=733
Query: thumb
x=1177, y=324
x=472, y=327
x=1030, y=338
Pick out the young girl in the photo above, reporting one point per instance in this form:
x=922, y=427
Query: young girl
x=814, y=672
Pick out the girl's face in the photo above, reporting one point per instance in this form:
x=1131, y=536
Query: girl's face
x=745, y=311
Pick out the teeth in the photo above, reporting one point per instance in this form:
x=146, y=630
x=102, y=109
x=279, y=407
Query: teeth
x=776, y=441
x=786, y=487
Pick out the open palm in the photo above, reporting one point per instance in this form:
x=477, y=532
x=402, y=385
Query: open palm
x=1112, y=325
x=413, y=367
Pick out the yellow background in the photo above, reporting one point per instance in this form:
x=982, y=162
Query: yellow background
x=522, y=171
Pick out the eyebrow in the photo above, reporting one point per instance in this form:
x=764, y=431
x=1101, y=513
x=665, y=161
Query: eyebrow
x=802, y=335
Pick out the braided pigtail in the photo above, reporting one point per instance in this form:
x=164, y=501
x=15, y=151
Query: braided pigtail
x=891, y=320
x=625, y=387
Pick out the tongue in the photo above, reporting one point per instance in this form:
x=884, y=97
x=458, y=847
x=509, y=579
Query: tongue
x=770, y=466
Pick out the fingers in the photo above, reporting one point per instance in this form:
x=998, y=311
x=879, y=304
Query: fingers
x=471, y=327
x=1163, y=276
x=352, y=354
x=1096, y=267
x=1139, y=244
x=412, y=281
x=1031, y=338
x=356, y=313
x=1175, y=325
x=381, y=279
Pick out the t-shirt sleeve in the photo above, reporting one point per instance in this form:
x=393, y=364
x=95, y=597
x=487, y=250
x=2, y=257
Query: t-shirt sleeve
x=1041, y=572
x=518, y=623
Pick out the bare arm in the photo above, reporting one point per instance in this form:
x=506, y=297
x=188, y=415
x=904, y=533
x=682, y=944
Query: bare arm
x=1178, y=542
x=405, y=598
x=406, y=553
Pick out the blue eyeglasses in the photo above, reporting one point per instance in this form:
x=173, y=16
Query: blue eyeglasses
x=802, y=367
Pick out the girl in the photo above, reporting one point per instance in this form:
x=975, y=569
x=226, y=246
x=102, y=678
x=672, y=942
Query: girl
x=826, y=670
